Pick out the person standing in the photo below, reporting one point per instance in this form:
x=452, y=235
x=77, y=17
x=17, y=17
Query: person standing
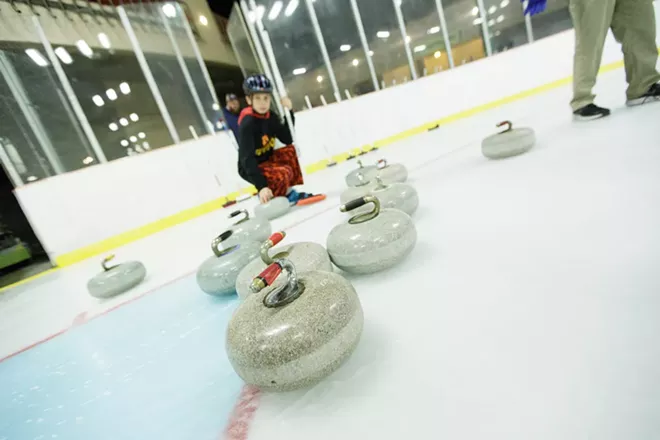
x=633, y=25
x=231, y=112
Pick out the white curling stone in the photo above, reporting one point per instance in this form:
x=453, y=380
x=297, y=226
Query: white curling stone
x=508, y=144
x=117, y=279
x=276, y=207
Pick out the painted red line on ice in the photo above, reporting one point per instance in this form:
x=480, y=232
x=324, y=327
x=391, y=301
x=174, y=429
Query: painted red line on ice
x=243, y=414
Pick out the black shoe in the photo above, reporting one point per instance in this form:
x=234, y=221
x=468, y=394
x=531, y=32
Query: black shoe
x=652, y=94
x=590, y=112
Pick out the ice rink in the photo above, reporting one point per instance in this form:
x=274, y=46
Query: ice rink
x=528, y=309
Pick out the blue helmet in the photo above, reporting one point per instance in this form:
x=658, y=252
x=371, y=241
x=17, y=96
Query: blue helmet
x=258, y=83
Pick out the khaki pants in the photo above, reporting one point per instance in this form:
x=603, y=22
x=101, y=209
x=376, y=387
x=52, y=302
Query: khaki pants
x=633, y=25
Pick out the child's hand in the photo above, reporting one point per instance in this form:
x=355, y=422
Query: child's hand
x=286, y=103
x=265, y=195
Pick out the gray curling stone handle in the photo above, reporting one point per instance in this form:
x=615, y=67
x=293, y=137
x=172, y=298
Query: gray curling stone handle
x=381, y=184
x=509, y=126
x=105, y=262
x=273, y=240
x=362, y=180
x=283, y=295
x=239, y=212
x=354, y=204
x=218, y=250
x=360, y=165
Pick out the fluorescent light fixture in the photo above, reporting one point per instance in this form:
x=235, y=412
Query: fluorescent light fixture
x=504, y=3
x=132, y=139
x=355, y=62
x=498, y=33
x=291, y=7
x=437, y=54
x=98, y=100
x=113, y=126
x=124, y=143
x=141, y=135
x=125, y=88
x=492, y=10
x=216, y=106
x=475, y=11
x=433, y=30
x=371, y=53
x=104, y=40
x=319, y=78
x=123, y=122
x=134, y=117
x=88, y=160
x=169, y=10
x=84, y=48
x=299, y=71
x=146, y=145
x=36, y=57
x=63, y=55
x=275, y=10
x=345, y=47
x=203, y=20
x=111, y=94
x=500, y=19
x=31, y=179
x=420, y=48
x=477, y=21
x=383, y=34
x=491, y=22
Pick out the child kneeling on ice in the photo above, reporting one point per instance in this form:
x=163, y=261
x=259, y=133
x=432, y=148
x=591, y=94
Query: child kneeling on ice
x=272, y=172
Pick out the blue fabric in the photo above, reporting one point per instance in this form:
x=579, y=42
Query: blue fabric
x=293, y=196
x=231, y=119
x=535, y=7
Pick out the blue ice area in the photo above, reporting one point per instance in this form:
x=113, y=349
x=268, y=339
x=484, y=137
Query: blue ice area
x=153, y=369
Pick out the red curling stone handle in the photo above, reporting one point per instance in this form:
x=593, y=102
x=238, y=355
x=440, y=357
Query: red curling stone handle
x=277, y=237
x=266, y=277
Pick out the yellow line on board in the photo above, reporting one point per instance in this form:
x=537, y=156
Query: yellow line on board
x=138, y=233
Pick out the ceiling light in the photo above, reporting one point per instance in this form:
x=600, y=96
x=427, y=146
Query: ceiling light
x=132, y=139
x=437, y=54
x=111, y=94
x=419, y=48
x=216, y=106
x=84, y=48
x=134, y=117
x=500, y=19
x=504, y=3
x=433, y=30
x=345, y=47
x=146, y=145
x=383, y=34
x=355, y=62
x=104, y=40
x=63, y=55
x=169, y=10
x=124, y=143
x=291, y=7
x=299, y=71
x=492, y=10
x=203, y=20
x=123, y=122
x=477, y=21
x=36, y=57
x=125, y=88
x=98, y=100
x=141, y=135
x=491, y=22
x=498, y=33
x=371, y=53
x=275, y=10
x=475, y=11
x=113, y=126
x=88, y=160
x=31, y=179
x=408, y=38
x=319, y=78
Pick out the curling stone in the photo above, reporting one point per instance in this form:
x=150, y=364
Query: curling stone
x=391, y=173
x=508, y=143
x=293, y=335
x=352, y=177
x=276, y=207
x=395, y=195
x=217, y=275
x=362, y=188
x=371, y=242
x=116, y=279
x=250, y=229
x=307, y=256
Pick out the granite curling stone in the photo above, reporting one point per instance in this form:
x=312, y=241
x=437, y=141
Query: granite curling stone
x=217, y=274
x=371, y=242
x=276, y=207
x=307, y=256
x=352, y=178
x=250, y=229
x=391, y=173
x=116, y=279
x=292, y=336
x=508, y=143
x=401, y=196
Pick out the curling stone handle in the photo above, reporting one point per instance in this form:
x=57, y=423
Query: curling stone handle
x=105, y=262
x=273, y=240
x=284, y=294
x=381, y=164
x=277, y=237
x=266, y=277
x=509, y=126
x=354, y=204
x=381, y=184
x=217, y=241
x=239, y=212
x=359, y=162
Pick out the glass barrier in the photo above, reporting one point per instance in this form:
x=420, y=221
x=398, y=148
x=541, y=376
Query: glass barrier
x=556, y=18
x=465, y=32
x=506, y=24
x=427, y=41
x=242, y=43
